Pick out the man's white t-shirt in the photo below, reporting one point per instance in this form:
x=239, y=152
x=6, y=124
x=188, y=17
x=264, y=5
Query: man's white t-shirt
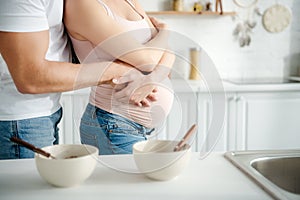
x=31, y=16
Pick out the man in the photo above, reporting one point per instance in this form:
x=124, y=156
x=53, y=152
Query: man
x=34, y=70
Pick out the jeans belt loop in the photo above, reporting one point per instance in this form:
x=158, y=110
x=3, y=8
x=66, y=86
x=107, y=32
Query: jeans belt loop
x=94, y=112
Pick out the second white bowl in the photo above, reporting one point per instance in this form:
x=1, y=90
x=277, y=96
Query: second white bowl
x=157, y=160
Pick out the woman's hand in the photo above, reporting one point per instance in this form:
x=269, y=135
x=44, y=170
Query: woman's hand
x=135, y=88
x=142, y=95
x=158, y=24
x=161, y=39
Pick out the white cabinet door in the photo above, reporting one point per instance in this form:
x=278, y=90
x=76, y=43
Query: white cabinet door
x=215, y=121
x=73, y=105
x=79, y=102
x=268, y=120
x=182, y=116
x=65, y=125
x=200, y=108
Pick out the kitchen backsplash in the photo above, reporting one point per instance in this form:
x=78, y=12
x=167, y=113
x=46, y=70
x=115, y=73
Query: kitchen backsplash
x=268, y=55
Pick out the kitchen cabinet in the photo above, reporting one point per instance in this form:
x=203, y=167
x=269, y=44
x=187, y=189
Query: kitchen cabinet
x=255, y=118
x=73, y=104
x=183, y=115
x=221, y=137
x=264, y=120
x=66, y=124
x=195, y=107
x=252, y=121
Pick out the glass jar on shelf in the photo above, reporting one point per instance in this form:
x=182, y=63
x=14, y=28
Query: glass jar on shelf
x=178, y=5
x=195, y=63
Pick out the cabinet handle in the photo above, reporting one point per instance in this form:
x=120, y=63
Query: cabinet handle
x=244, y=133
x=236, y=98
x=240, y=98
x=232, y=98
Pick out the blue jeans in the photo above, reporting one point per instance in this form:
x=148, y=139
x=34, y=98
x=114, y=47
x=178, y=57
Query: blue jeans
x=40, y=131
x=111, y=133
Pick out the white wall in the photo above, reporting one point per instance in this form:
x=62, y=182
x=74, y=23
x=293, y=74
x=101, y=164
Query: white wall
x=269, y=54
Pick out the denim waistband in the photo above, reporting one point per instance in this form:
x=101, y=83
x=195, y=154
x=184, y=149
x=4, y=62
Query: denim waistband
x=92, y=110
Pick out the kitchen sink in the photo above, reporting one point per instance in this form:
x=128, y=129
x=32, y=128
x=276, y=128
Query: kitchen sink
x=283, y=172
x=276, y=172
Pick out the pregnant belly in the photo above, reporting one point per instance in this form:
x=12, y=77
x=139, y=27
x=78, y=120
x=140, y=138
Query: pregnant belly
x=154, y=115
x=150, y=117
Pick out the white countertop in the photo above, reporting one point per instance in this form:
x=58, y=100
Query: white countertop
x=279, y=87
x=211, y=178
x=201, y=86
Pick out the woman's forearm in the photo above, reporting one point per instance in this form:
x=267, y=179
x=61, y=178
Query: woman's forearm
x=144, y=57
x=163, y=69
x=155, y=48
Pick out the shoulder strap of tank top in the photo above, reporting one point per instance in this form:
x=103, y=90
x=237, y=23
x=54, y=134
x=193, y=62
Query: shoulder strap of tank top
x=133, y=7
x=109, y=12
x=130, y=3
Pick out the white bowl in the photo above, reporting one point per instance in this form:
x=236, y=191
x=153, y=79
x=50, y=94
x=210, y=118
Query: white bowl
x=157, y=160
x=65, y=171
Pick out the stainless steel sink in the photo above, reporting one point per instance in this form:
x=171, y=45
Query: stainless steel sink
x=277, y=172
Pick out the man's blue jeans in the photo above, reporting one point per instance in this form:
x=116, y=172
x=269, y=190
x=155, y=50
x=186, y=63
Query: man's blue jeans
x=40, y=132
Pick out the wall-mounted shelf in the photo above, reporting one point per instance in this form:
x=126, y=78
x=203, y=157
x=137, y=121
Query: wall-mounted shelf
x=205, y=13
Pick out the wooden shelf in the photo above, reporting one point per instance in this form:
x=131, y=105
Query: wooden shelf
x=206, y=13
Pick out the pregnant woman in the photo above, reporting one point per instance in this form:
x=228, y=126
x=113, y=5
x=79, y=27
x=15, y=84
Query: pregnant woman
x=120, y=31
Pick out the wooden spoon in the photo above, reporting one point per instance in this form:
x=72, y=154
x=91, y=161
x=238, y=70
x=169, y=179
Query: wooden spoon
x=188, y=134
x=31, y=147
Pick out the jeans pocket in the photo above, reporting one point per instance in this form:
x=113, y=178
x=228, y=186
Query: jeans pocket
x=122, y=127
x=89, y=129
x=89, y=138
x=121, y=132
x=123, y=136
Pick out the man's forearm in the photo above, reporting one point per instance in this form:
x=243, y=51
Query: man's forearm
x=62, y=76
x=94, y=74
x=24, y=54
x=100, y=73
